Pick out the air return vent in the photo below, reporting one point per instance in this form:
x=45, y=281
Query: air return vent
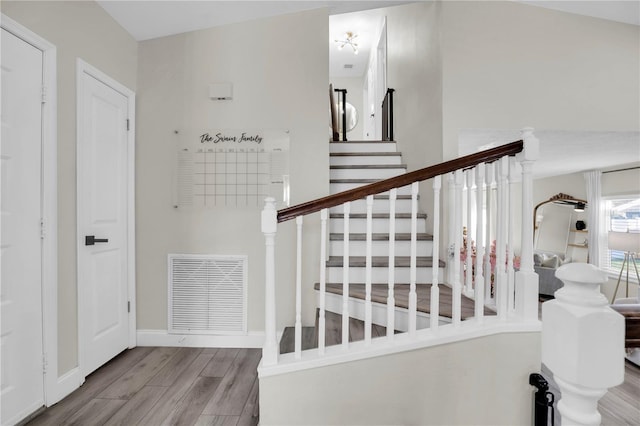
x=207, y=294
x=348, y=66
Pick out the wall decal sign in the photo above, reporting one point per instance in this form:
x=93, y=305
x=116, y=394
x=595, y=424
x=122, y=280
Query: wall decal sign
x=232, y=168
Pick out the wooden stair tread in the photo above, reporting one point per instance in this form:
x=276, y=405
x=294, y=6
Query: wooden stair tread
x=376, y=216
x=362, y=154
x=333, y=333
x=383, y=261
x=379, y=293
x=400, y=236
x=369, y=166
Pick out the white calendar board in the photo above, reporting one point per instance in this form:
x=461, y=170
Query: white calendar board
x=233, y=168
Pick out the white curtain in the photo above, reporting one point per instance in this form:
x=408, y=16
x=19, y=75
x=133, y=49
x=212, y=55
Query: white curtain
x=595, y=215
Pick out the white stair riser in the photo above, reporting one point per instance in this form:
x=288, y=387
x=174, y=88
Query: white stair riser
x=381, y=275
x=365, y=173
x=365, y=160
x=339, y=187
x=379, y=206
x=379, y=225
x=381, y=248
x=362, y=147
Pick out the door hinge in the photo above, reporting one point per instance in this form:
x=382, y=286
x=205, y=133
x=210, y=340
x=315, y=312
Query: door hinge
x=128, y=306
x=127, y=124
x=42, y=230
x=43, y=95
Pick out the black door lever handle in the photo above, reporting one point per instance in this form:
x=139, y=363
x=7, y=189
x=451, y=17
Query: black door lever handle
x=90, y=240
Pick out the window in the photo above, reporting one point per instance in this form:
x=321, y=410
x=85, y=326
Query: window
x=622, y=215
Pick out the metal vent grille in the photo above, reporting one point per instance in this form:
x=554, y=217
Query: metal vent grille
x=207, y=294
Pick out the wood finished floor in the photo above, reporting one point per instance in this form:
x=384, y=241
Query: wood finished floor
x=195, y=386
x=165, y=386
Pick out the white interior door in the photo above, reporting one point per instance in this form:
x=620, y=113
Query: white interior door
x=22, y=387
x=103, y=205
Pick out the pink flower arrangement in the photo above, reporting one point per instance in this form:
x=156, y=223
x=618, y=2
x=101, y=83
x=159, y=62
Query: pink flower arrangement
x=492, y=258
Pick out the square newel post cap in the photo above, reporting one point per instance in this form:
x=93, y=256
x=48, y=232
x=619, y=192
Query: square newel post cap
x=582, y=337
x=269, y=216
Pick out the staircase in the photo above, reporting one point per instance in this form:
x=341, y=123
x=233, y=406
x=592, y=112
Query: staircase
x=352, y=165
x=377, y=264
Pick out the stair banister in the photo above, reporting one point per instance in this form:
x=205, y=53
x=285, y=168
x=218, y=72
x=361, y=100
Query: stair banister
x=467, y=161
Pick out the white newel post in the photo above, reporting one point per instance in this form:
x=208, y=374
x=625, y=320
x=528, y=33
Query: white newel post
x=582, y=343
x=269, y=228
x=526, y=303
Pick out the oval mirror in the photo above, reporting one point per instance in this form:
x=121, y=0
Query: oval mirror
x=352, y=116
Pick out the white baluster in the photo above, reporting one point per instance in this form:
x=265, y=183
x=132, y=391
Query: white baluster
x=510, y=233
x=526, y=278
x=413, y=298
x=391, y=301
x=479, y=278
x=501, y=238
x=298, y=328
x=489, y=169
x=468, y=286
x=457, y=224
x=450, y=207
x=435, y=289
x=580, y=325
x=269, y=226
x=368, y=272
x=345, y=277
x=323, y=280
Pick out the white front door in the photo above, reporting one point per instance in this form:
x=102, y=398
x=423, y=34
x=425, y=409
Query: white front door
x=22, y=387
x=103, y=209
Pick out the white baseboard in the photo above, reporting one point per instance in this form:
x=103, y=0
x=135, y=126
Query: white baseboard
x=67, y=383
x=254, y=339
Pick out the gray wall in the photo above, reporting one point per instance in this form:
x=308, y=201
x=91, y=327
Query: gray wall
x=270, y=91
x=79, y=29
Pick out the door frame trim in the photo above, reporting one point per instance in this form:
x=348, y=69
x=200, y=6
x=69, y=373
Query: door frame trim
x=83, y=67
x=53, y=388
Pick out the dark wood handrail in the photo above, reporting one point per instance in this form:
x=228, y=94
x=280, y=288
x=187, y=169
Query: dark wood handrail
x=467, y=161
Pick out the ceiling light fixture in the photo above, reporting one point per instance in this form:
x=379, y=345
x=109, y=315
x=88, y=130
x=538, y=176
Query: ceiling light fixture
x=349, y=40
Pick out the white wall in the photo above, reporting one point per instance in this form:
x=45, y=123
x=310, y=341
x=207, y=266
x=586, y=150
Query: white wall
x=270, y=91
x=79, y=29
x=482, y=381
x=354, y=87
x=509, y=65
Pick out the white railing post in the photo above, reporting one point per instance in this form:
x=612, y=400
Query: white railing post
x=526, y=302
x=510, y=235
x=488, y=297
x=479, y=278
x=435, y=289
x=468, y=266
x=368, y=310
x=501, y=285
x=413, y=297
x=323, y=281
x=298, y=326
x=456, y=302
x=269, y=226
x=582, y=343
x=391, y=300
x=345, y=276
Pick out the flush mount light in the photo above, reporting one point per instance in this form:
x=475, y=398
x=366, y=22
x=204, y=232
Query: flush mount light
x=349, y=40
